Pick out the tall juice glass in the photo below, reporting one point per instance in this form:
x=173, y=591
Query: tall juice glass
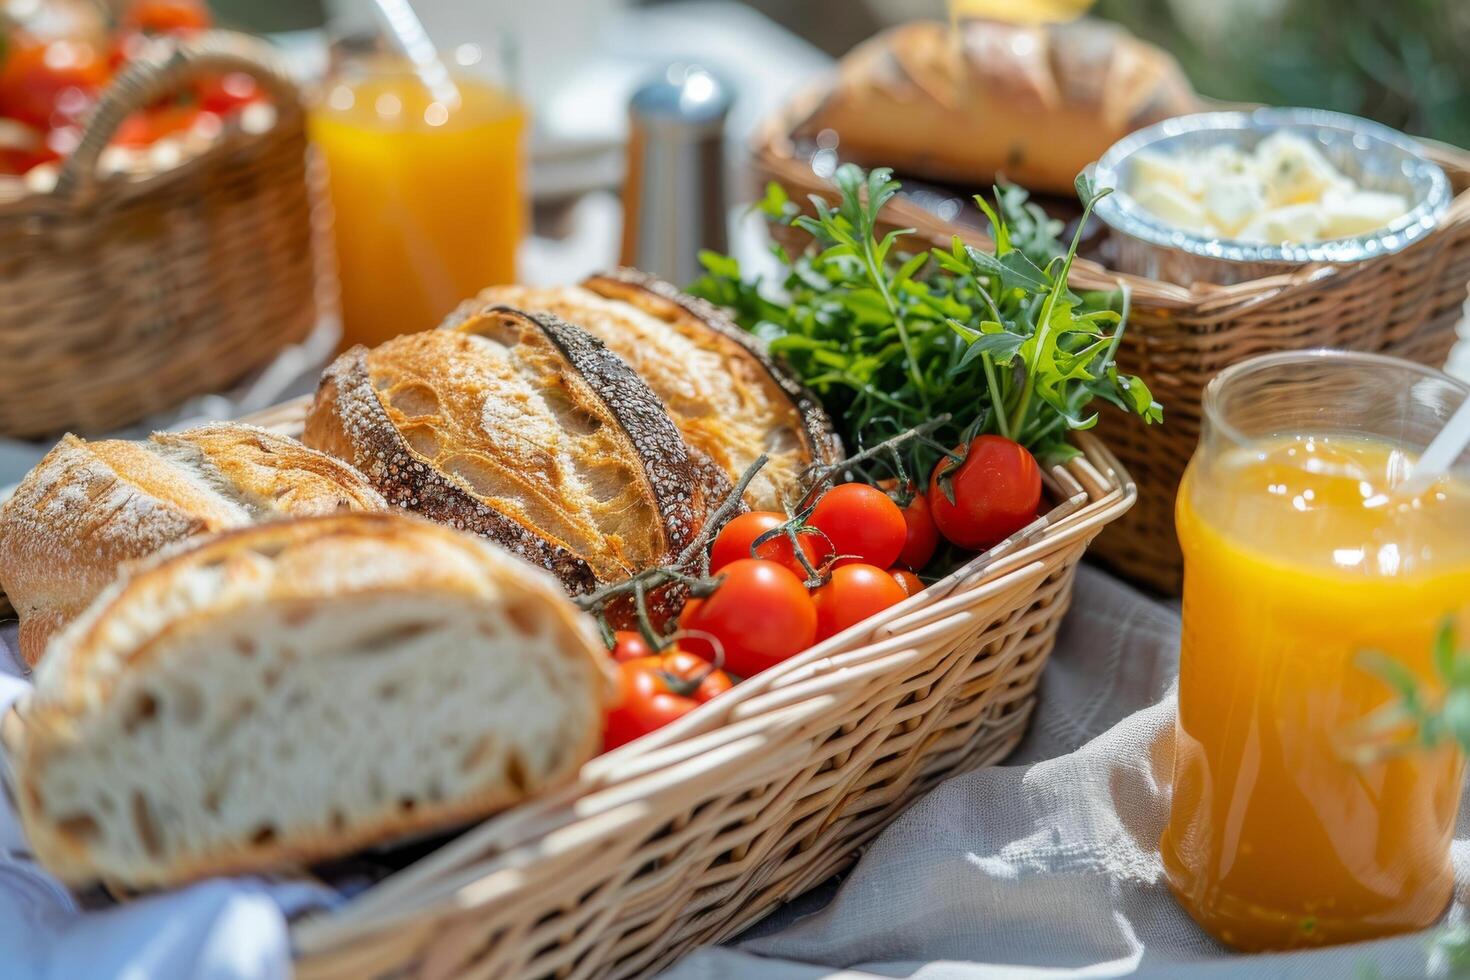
x=429, y=198
x=1300, y=554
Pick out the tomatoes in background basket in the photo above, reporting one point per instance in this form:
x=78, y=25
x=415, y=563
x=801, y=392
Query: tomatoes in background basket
x=49, y=83
x=760, y=613
x=921, y=536
x=735, y=538
x=655, y=690
x=907, y=581
x=996, y=491
x=151, y=125
x=851, y=595
x=630, y=645
x=860, y=521
x=165, y=16
x=223, y=94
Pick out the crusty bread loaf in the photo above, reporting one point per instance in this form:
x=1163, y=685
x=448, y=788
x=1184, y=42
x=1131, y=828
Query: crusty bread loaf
x=525, y=429
x=730, y=400
x=88, y=507
x=293, y=691
x=1035, y=104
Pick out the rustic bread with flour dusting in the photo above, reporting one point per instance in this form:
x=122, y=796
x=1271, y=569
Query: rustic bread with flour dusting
x=88, y=507
x=527, y=430
x=293, y=691
x=730, y=399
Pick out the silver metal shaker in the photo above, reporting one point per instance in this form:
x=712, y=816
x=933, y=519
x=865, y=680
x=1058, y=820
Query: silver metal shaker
x=674, y=192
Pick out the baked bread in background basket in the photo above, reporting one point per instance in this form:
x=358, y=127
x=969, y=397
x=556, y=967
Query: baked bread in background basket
x=125, y=291
x=1407, y=304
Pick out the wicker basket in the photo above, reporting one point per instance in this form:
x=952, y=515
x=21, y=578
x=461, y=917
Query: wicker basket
x=1178, y=338
x=689, y=835
x=123, y=294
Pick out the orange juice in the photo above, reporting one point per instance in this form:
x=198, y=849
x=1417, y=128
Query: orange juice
x=429, y=199
x=1299, y=555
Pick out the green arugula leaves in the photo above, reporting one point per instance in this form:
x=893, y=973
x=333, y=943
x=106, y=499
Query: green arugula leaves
x=889, y=341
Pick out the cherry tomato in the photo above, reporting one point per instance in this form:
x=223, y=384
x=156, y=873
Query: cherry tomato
x=860, y=521
x=996, y=492
x=735, y=538
x=630, y=645
x=151, y=125
x=851, y=595
x=22, y=147
x=921, y=537
x=761, y=614
x=165, y=16
x=223, y=94
x=51, y=83
x=653, y=691
x=907, y=580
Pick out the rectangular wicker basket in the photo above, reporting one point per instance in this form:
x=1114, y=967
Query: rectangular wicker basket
x=689, y=835
x=1407, y=304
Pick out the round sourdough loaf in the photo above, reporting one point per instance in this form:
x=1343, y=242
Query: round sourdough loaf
x=88, y=507
x=527, y=430
x=294, y=691
x=730, y=399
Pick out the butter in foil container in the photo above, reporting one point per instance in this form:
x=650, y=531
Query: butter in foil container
x=1373, y=156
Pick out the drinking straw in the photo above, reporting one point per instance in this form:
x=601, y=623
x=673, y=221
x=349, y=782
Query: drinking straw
x=408, y=31
x=1445, y=448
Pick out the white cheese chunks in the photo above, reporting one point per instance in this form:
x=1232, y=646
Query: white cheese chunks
x=1173, y=205
x=1157, y=170
x=1351, y=213
x=1293, y=223
x=1293, y=171
x=1232, y=200
x=1284, y=190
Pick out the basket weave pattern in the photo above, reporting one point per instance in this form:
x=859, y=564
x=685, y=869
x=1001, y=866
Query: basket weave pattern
x=1407, y=305
x=689, y=835
x=123, y=295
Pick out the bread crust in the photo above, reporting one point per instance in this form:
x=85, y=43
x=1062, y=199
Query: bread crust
x=729, y=398
x=348, y=420
x=132, y=625
x=814, y=427
x=89, y=507
x=1034, y=104
x=472, y=407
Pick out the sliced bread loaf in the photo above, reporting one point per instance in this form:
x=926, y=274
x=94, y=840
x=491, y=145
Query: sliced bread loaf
x=729, y=398
x=294, y=691
x=88, y=507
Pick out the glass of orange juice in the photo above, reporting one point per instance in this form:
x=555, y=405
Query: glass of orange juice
x=1302, y=552
x=428, y=194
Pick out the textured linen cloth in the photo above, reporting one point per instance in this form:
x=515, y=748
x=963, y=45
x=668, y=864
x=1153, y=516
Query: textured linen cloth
x=1047, y=867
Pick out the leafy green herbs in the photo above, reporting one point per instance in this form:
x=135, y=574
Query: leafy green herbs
x=890, y=341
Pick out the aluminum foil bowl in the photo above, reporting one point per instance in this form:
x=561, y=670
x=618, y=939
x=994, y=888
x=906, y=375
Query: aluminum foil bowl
x=1375, y=156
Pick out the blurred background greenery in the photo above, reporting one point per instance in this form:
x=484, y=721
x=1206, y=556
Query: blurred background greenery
x=1403, y=62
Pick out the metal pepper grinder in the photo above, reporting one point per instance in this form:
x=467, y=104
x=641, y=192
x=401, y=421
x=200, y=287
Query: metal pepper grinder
x=674, y=191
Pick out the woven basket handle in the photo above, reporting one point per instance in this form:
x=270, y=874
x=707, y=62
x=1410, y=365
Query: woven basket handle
x=154, y=76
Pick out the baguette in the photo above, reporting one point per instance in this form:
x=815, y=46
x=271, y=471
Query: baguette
x=294, y=691
x=1034, y=104
x=88, y=507
x=729, y=398
x=524, y=429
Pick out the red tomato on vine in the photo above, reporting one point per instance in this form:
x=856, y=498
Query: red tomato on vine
x=654, y=691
